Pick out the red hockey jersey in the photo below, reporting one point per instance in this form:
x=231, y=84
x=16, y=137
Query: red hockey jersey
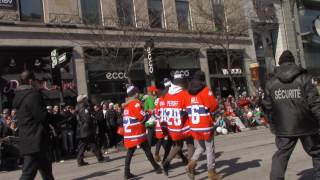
x=161, y=126
x=199, y=110
x=176, y=103
x=134, y=130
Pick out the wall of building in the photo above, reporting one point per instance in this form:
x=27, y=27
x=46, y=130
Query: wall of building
x=62, y=27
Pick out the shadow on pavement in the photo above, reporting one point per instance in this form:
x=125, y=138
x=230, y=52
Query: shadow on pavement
x=96, y=174
x=306, y=174
x=232, y=166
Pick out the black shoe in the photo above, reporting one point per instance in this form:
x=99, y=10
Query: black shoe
x=158, y=170
x=165, y=167
x=83, y=164
x=185, y=160
x=102, y=160
x=129, y=176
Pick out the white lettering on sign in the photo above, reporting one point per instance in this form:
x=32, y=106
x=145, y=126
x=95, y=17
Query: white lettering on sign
x=6, y=1
x=233, y=71
x=150, y=63
x=184, y=73
x=116, y=75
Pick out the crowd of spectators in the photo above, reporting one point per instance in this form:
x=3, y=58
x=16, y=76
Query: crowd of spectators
x=236, y=114
x=63, y=129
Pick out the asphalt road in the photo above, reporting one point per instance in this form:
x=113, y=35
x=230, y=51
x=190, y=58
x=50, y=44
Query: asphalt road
x=242, y=156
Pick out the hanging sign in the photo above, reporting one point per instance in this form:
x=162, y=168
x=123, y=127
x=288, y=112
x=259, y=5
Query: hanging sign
x=8, y=4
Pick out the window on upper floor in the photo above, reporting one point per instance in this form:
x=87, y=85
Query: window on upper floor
x=31, y=10
x=218, y=14
x=125, y=12
x=183, y=14
x=91, y=12
x=156, y=16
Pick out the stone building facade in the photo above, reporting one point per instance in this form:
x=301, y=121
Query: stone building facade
x=30, y=30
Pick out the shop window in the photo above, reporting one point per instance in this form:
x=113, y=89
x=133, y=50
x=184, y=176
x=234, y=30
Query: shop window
x=218, y=62
x=218, y=14
x=125, y=12
x=183, y=14
x=91, y=13
x=156, y=16
x=31, y=10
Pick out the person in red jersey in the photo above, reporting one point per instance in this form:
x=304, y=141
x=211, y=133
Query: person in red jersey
x=135, y=131
x=161, y=126
x=176, y=118
x=201, y=104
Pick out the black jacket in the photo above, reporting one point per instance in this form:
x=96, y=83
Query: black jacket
x=33, y=123
x=85, y=124
x=111, y=118
x=292, y=102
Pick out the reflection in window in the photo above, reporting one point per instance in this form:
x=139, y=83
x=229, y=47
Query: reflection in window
x=125, y=12
x=155, y=10
x=31, y=10
x=91, y=13
x=183, y=15
x=218, y=14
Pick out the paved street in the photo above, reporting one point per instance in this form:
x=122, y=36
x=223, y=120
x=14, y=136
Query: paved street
x=243, y=156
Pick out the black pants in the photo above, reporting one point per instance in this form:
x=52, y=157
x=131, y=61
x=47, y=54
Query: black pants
x=34, y=162
x=103, y=140
x=151, y=135
x=67, y=141
x=82, y=146
x=147, y=150
x=166, y=145
x=177, y=149
x=285, y=145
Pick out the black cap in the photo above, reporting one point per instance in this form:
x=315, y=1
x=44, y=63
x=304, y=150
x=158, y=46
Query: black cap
x=286, y=57
x=199, y=76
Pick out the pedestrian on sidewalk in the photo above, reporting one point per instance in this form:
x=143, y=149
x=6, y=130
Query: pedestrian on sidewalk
x=292, y=104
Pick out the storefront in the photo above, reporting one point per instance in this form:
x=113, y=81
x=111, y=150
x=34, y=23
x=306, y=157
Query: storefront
x=219, y=74
x=107, y=76
x=14, y=60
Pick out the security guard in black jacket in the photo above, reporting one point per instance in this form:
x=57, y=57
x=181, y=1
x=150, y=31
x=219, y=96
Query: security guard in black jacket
x=292, y=104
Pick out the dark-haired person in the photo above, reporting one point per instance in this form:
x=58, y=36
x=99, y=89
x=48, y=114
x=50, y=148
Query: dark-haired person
x=292, y=104
x=135, y=131
x=33, y=129
x=201, y=104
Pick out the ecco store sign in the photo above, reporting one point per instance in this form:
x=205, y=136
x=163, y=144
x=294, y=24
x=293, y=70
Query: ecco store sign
x=184, y=73
x=150, y=63
x=8, y=4
x=116, y=76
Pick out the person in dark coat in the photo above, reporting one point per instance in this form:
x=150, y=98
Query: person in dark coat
x=111, y=121
x=101, y=128
x=85, y=131
x=33, y=129
x=292, y=104
x=67, y=131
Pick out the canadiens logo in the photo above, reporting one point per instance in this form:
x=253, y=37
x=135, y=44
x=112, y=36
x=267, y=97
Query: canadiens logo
x=137, y=105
